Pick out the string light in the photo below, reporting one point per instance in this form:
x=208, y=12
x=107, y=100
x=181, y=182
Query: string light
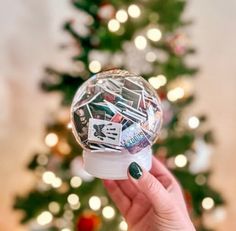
x=69, y=125
x=208, y=203
x=108, y=212
x=95, y=66
x=140, y=42
x=75, y=181
x=154, y=34
x=180, y=160
x=64, y=148
x=150, y=56
x=175, y=94
x=73, y=199
x=44, y=218
x=68, y=215
x=66, y=229
x=134, y=11
x=113, y=25
x=75, y=207
x=51, y=139
x=57, y=182
x=200, y=179
x=95, y=203
x=42, y=159
x=123, y=226
x=121, y=16
x=54, y=207
x=157, y=81
x=193, y=122
x=48, y=177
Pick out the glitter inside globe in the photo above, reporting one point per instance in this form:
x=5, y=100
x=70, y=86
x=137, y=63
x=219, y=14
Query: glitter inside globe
x=116, y=112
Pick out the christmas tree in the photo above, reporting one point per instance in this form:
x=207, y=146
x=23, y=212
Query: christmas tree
x=146, y=37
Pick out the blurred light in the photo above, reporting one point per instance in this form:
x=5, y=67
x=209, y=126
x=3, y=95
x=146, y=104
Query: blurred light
x=175, y=94
x=57, y=182
x=208, y=203
x=193, y=122
x=75, y=181
x=69, y=125
x=157, y=81
x=150, y=56
x=73, y=199
x=121, y=16
x=54, y=207
x=154, y=34
x=65, y=229
x=123, y=226
x=95, y=66
x=44, y=218
x=76, y=206
x=51, y=139
x=134, y=11
x=200, y=179
x=108, y=212
x=48, y=177
x=68, y=215
x=64, y=148
x=113, y=25
x=42, y=159
x=180, y=160
x=140, y=42
x=95, y=203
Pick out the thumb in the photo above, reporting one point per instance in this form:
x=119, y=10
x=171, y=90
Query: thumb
x=150, y=187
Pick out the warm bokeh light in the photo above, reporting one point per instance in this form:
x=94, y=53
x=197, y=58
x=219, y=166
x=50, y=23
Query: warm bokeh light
x=95, y=66
x=75, y=181
x=121, y=16
x=73, y=199
x=150, y=56
x=123, y=226
x=175, y=94
x=108, y=212
x=154, y=34
x=208, y=203
x=157, y=81
x=181, y=160
x=51, y=139
x=44, y=218
x=113, y=25
x=57, y=182
x=54, y=207
x=48, y=177
x=140, y=42
x=134, y=11
x=193, y=122
x=95, y=203
x=42, y=159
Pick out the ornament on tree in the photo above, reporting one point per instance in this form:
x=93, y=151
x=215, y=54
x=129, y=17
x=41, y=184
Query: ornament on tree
x=106, y=11
x=88, y=221
x=178, y=43
x=116, y=116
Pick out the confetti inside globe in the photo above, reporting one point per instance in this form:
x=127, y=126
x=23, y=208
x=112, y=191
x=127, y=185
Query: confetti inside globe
x=116, y=117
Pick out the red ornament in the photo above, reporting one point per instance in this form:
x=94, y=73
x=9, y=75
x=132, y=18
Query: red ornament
x=188, y=200
x=88, y=222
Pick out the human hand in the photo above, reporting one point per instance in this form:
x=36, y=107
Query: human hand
x=150, y=201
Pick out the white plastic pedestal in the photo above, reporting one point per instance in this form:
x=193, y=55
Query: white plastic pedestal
x=114, y=165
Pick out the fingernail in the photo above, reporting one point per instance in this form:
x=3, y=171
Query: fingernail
x=135, y=170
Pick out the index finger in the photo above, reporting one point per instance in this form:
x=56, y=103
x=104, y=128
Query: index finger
x=159, y=171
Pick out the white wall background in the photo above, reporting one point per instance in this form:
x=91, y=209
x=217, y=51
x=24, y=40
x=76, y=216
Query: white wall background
x=29, y=34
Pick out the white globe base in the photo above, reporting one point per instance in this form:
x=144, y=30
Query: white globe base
x=114, y=165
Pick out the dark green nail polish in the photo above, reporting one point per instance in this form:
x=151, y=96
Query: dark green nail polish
x=135, y=170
